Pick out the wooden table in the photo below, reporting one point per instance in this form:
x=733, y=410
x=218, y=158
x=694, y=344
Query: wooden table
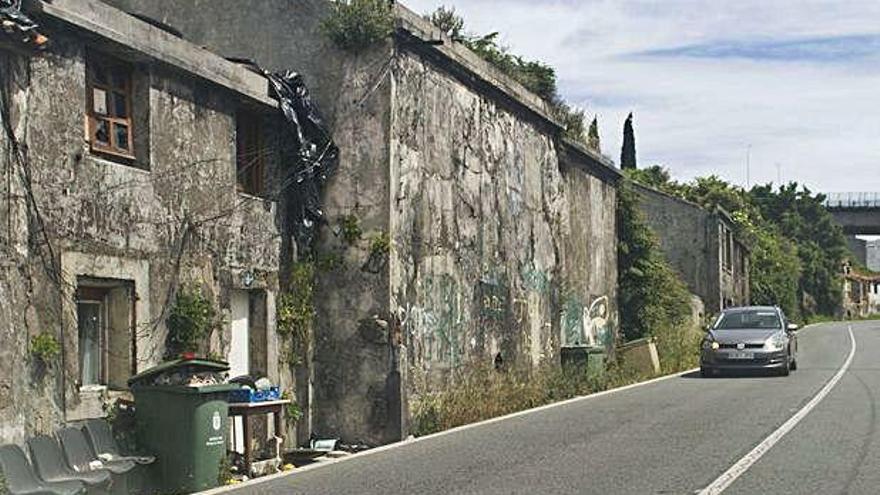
x=248, y=409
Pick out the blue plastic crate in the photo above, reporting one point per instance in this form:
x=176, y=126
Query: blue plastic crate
x=249, y=395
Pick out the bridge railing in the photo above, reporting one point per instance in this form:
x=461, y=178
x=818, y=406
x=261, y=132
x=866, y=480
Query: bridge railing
x=853, y=200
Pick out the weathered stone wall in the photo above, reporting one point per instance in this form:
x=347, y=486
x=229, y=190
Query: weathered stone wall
x=355, y=371
x=180, y=221
x=492, y=239
x=687, y=240
x=500, y=250
x=351, y=356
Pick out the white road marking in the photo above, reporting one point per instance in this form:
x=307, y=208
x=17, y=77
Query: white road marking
x=737, y=470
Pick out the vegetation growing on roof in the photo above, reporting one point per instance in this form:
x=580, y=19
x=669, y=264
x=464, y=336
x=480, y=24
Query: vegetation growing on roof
x=355, y=25
x=536, y=76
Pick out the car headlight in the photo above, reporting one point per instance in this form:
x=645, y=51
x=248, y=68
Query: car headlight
x=709, y=343
x=776, y=342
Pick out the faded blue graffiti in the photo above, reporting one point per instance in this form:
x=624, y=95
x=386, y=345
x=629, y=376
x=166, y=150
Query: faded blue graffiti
x=572, y=322
x=493, y=299
x=533, y=279
x=590, y=326
x=437, y=325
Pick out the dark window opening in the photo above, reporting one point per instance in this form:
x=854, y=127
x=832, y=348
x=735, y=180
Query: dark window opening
x=249, y=153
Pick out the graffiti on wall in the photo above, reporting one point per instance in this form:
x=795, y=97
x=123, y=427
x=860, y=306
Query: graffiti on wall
x=586, y=325
x=494, y=299
x=534, y=280
x=437, y=323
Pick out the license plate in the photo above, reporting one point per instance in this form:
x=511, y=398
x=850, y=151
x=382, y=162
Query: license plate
x=742, y=355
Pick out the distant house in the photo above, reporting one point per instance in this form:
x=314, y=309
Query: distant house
x=701, y=246
x=861, y=293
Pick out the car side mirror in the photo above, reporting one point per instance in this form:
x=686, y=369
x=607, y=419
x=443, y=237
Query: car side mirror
x=792, y=327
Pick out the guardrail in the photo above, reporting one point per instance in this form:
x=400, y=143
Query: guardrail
x=853, y=200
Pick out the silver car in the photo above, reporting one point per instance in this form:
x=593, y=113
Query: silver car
x=749, y=338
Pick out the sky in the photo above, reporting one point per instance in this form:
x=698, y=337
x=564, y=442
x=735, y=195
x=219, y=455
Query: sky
x=749, y=90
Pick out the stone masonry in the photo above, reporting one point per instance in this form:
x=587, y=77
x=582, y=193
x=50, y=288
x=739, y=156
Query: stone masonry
x=76, y=222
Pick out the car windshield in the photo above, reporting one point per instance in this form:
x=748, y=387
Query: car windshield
x=749, y=319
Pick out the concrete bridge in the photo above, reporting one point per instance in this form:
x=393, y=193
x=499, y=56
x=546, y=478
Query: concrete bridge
x=857, y=212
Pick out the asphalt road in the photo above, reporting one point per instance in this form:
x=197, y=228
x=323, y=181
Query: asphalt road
x=674, y=436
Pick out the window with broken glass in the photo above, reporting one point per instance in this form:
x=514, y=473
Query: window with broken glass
x=109, y=107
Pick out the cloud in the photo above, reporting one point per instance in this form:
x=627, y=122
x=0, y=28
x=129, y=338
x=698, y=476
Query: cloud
x=826, y=49
x=794, y=82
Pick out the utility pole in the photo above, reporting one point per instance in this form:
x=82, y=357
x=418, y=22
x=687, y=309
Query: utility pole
x=748, y=165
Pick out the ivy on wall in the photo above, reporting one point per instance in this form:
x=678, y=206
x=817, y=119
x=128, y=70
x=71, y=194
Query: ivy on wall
x=190, y=322
x=296, y=312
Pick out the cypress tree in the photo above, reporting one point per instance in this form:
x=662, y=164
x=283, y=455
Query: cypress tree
x=593, y=141
x=628, y=151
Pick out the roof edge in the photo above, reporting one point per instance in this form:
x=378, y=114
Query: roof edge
x=120, y=28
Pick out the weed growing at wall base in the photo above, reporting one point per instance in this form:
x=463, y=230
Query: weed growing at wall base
x=483, y=393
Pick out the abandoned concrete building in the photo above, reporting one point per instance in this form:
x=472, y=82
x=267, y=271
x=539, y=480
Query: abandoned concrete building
x=861, y=293
x=701, y=246
x=483, y=237
x=128, y=171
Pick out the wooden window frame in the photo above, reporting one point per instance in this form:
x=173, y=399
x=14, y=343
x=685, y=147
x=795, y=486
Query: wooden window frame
x=112, y=66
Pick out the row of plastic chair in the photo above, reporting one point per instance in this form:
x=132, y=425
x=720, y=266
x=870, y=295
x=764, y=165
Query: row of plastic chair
x=77, y=460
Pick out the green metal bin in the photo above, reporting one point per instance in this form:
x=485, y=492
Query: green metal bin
x=586, y=358
x=184, y=426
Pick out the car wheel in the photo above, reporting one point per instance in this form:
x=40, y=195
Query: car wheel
x=705, y=372
x=786, y=369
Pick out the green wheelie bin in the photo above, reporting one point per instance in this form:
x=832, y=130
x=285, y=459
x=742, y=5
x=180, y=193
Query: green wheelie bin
x=181, y=414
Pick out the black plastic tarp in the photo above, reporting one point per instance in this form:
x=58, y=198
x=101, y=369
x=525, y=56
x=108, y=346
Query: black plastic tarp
x=16, y=23
x=314, y=155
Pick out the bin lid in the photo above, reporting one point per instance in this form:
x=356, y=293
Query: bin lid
x=194, y=365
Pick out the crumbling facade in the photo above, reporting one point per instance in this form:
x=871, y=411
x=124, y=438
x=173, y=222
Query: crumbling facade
x=482, y=236
x=128, y=172
x=701, y=246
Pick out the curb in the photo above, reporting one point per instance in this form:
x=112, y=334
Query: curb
x=410, y=441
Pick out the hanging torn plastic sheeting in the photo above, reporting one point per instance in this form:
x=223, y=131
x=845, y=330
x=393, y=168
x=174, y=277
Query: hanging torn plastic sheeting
x=317, y=156
x=15, y=23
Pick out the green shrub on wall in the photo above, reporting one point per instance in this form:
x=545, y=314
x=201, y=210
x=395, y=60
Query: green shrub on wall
x=350, y=229
x=652, y=298
x=355, y=25
x=191, y=321
x=45, y=347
